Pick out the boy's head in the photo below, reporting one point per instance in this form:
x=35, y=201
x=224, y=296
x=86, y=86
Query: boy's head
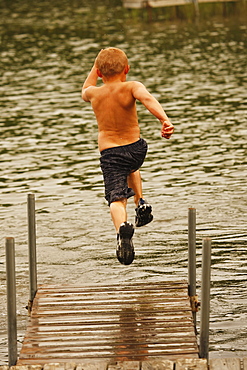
x=111, y=61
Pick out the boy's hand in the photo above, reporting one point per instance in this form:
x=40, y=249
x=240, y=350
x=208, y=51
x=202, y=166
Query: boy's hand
x=167, y=129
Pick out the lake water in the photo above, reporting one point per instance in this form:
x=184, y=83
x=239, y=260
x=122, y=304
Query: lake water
x=49, y=147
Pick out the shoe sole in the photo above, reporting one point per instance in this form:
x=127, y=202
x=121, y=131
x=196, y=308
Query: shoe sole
x=126, y=231
x=143, y=215
x=125, y=251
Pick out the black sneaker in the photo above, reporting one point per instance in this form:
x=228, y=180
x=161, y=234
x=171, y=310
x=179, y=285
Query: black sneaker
x=125, y=248
x=143, y=213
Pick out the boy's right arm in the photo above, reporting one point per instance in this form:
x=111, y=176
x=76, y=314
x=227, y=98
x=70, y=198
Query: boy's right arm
x=90, y=81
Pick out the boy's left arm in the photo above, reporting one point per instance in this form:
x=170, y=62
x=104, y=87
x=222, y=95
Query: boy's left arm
x=90, y=81
x=148, y=100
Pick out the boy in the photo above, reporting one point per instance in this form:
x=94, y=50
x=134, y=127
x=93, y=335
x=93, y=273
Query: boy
x=121, y=148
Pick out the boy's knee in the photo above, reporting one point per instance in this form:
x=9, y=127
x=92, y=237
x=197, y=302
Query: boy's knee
x=122, y=201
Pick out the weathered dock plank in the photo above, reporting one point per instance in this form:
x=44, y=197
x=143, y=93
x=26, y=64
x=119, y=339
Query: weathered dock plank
x=153, y=364
x=60, y=366
x=190, y=363
x=225, y=364
x=92, y=366
x=158, y=365
x=127, y=365
x=32, y=367
x=135, y=323
x=245, y=363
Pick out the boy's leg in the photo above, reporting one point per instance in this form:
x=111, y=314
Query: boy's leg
x=143, y=210
x=118, y=212
x=135, y=183
x=125, y=230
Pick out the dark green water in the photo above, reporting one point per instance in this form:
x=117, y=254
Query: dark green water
x=49, y=146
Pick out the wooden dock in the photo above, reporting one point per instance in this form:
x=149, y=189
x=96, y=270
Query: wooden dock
x=130, y=327
x=180, y=364
x=139, y=326
x=136, y=322
x=138, y=4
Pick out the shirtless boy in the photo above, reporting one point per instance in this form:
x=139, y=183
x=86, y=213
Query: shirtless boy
x=122, y=150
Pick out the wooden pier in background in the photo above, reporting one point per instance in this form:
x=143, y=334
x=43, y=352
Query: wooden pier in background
x=138, y=4
x=137, y=322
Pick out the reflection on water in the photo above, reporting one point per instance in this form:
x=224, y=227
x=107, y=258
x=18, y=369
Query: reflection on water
x=132, y=338
x=49, y=147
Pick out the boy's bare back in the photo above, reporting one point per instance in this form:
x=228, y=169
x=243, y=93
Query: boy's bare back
x=114, y=105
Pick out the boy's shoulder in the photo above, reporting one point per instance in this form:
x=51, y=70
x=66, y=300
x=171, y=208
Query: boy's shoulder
x=134, y=83
x=92, y=91
x=88, y=93
x=131, y=85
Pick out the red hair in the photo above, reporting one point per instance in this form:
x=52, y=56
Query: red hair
x=111, y=61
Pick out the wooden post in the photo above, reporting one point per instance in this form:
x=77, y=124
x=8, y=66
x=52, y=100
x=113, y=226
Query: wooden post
x=196, y=8
x=11, y=300
x=32, y=249
x=192, y=261
x=205, y=298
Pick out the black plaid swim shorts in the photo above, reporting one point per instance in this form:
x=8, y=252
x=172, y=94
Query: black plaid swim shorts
x=116, y=164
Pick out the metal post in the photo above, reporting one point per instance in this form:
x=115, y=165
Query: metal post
x=192, y=261
x=32, y=249
x=11, y=300
x=205, y=298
